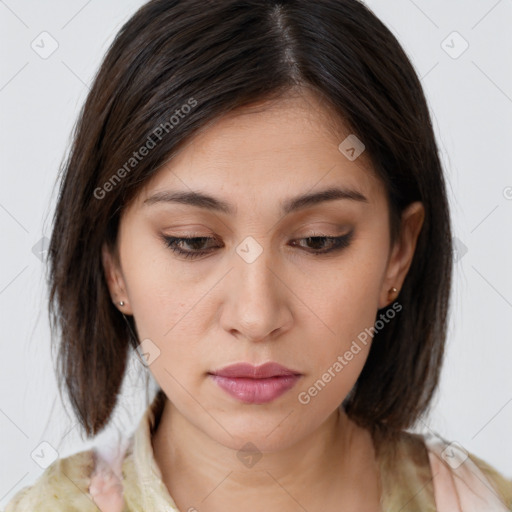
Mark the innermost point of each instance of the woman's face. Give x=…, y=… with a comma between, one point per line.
x=262, y=291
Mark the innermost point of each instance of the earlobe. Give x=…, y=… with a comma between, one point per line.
x=114, y=279
x=403, y=251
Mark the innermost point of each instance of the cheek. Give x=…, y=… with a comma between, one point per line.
x=347, y=298
x=168, y=311
x=347, y=302
x=337, y=360
x=159, y=294
x=326, y=388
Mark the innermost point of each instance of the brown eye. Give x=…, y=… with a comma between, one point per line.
x=174, y=244
x=328, y=243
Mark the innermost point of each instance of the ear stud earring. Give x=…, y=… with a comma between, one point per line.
x=121, y=303
x=392, y=291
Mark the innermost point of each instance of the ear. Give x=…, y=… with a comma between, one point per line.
x=403, y=251
x=115, y=279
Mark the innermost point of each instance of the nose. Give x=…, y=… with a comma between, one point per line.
x=258, y=301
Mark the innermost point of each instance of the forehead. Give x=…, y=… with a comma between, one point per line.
x=288, y=125
x=290, y=144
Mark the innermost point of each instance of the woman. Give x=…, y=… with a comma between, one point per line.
x=255, y=203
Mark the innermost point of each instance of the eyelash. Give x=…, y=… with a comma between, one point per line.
x=339, y=243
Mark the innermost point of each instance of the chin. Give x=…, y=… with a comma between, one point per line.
x=268, y=431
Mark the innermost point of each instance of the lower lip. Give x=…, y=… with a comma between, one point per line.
x=256, y=391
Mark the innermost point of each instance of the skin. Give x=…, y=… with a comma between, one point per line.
x=287, y=306
x=106, y=491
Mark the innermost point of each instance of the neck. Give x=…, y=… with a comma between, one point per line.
x=204, y=474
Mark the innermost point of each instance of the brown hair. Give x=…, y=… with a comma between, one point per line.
x=178, y=65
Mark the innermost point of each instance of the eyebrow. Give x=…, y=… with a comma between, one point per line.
x=201, y=200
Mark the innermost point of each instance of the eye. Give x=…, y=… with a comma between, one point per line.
x=196, y=244
x=334, y=243
x=174, y=244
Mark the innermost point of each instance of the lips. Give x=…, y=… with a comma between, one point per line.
x=255, y=384
x=249, y=371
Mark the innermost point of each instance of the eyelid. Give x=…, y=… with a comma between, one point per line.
x=323, y=232
x=335, y=230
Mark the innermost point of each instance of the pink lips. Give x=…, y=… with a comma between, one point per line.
x=255, y=384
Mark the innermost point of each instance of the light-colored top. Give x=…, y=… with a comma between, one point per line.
x=428, y=475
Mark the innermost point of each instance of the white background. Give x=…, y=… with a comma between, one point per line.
x=471, y=100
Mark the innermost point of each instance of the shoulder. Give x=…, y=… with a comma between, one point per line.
x=459, y=473
x=451, y=478
x=64, y=486
x=501, y=484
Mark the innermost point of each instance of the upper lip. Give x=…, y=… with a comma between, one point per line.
x=256, y=372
